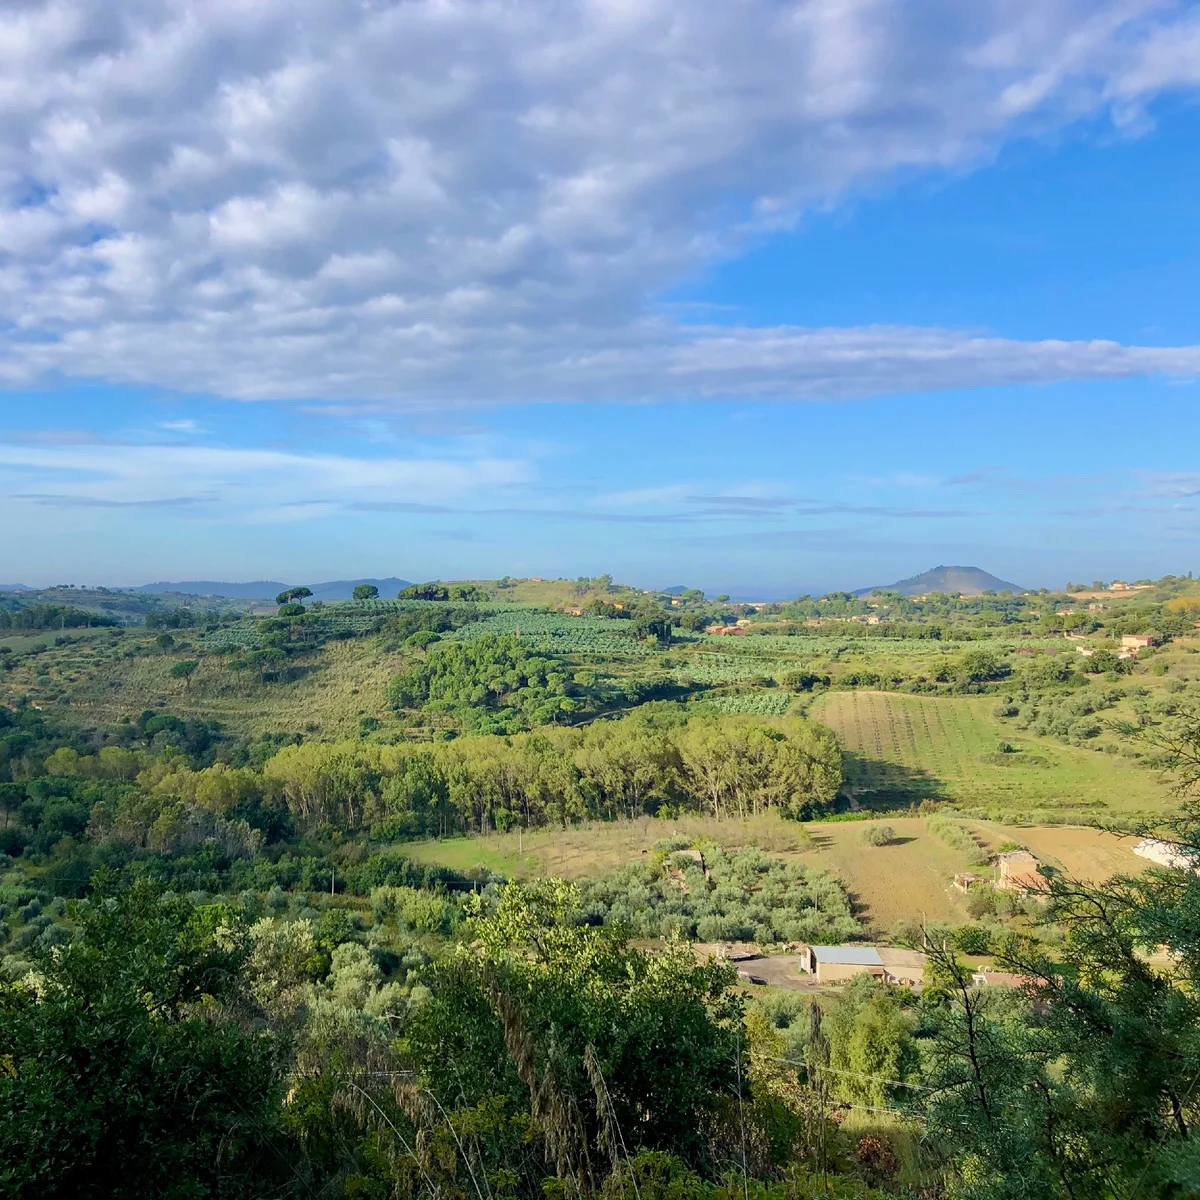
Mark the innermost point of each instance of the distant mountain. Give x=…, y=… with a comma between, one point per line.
x=268, y=589
x=15, y=587
x=970, y=581
x=677, y=590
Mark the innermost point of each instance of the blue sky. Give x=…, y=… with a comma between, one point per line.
x=816, y=297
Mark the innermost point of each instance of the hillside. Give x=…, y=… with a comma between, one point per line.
x=970, y=581
x=267, y=589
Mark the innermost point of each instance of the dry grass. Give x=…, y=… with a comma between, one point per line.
x=909, y=879
x=597, y=847
x=1083, y=853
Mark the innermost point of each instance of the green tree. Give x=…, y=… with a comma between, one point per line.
x=870, y=1043
x=120, y=1072
x=184, y=670
x=365, y=591
x=424, y=591
x=576, y=1027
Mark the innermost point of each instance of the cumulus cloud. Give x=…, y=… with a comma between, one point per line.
x=473, y=200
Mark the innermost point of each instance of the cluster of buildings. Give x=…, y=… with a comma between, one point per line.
x=1131, y=643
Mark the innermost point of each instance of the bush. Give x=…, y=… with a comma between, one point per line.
x=877, y=1157
x=878, y=835
x=973, y=939
x=957, y=838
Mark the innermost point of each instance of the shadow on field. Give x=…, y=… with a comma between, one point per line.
x=879, y=786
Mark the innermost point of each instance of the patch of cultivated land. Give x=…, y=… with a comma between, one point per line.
x=909, y=878
x=596, y=847
x=903, y=747
x=332, y=691
x=889, y=883
x=914, y=875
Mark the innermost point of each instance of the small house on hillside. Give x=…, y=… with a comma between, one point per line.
x=1138, y=641
x=965, y=880
x=1019, y=872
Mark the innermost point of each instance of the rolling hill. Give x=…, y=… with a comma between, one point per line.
x=970, y=581
x=268, y=589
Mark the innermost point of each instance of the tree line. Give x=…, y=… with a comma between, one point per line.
x=53, y=616
x=725, y=767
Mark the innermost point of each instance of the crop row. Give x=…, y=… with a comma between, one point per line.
x=721, y=668
x=231, y=638
x=559, y=633
x=773, y=702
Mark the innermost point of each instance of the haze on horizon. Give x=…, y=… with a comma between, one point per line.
x=766, y=298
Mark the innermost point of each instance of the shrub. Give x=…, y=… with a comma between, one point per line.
x=957, y=838
x=877, y=1157
x=973, y=939
x=878, y=835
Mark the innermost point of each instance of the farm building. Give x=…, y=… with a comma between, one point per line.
x=965, y=880
x=726, y=630
x=905, y=967
x=836, y=964
x=1138, y=641
x=1019, y=872
x=1167, y=854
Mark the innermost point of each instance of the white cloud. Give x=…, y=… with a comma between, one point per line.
x=1179, y=485
x=672, y=493
x=470, y=199
x=250, y=484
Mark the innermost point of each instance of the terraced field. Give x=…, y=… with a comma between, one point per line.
x=903, y=748
x=767, y=702
x=560, y=633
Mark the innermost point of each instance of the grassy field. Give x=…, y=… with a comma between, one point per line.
x=597, y=847
x=914, y=875
x=902, y=747
x=94, y=684
x=910, y=877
